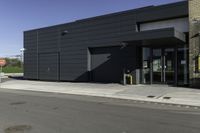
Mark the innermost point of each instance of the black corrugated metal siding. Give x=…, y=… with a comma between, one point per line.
x=107, y=30
x=30, y=55
x=109, y=63
x=106, y=65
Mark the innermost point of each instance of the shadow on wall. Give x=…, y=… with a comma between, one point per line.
x=109, y=63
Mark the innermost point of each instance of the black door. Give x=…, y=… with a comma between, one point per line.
x=49, y=66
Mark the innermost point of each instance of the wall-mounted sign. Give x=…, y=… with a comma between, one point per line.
x=145, y=64
x=183, y=62
x=2, y=62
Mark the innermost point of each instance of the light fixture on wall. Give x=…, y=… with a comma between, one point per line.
x=64, y=32
x=22, y=50
x=124, y=44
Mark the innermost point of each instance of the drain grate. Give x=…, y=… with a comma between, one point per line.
x=166, y=97
x=18, y=103
x=151, y=96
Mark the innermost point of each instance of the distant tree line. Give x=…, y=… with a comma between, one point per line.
x=13, y=62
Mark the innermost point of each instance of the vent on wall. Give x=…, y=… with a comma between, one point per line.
x=64, y=32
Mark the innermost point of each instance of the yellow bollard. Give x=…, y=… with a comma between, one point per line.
x=130, y=77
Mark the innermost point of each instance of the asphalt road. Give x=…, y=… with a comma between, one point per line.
x=36, y=112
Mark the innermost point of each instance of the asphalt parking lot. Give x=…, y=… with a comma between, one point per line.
x=42, y=112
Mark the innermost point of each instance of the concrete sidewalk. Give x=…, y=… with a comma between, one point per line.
x=7, y=75
x=150, y=93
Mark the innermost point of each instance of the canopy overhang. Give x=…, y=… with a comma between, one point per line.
x=159, y=37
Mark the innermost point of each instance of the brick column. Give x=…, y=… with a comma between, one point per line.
x=194, y=41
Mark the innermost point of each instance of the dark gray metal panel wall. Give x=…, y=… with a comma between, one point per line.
x=109, y=63
x=74, y=44
x=106, y=64
x=30, y=55
x=48, y=40
x=163, y=12
x=107, y=30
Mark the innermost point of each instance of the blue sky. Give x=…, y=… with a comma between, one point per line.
x=21, y=15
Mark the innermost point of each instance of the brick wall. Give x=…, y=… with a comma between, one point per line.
x=194, y=46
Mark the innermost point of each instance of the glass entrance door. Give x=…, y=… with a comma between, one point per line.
x=146, y=77
x=163, y=65
x=157, y=65
x=169, y=65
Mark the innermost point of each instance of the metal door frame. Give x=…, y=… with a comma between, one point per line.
x=163, y=64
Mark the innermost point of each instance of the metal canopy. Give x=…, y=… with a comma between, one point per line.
x=160, y=37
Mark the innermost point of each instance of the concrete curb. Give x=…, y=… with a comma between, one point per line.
x=175, y=102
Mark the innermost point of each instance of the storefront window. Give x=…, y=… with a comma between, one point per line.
x=146, y=65
x=182, y=64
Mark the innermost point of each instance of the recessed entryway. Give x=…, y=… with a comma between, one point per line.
x=159, y=65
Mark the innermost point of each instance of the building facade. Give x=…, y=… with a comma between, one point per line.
x=194, y=41
x=152, y=44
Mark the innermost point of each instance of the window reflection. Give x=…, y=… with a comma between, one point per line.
x=146, y=65
x=182, y=66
